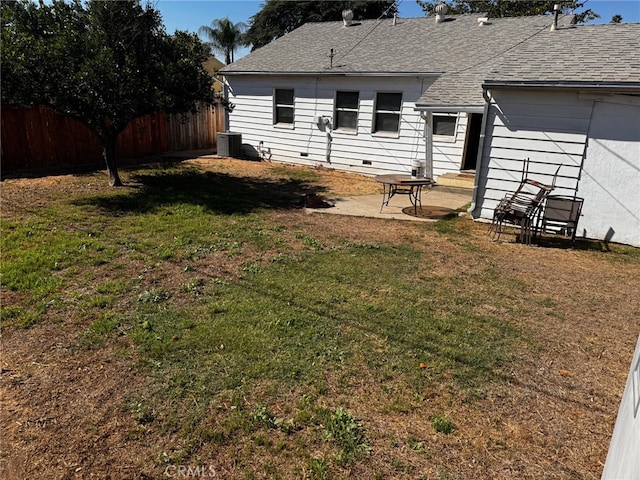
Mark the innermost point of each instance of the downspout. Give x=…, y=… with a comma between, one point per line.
x=426, y=172
x=428, y=153
x=226, y=111
x=483, y=127
x=327, y=124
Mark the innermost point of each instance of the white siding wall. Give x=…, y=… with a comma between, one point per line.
x=549, y=129
x=306, y=143
x=554, y=129
x=623, y=461
x=447, y=155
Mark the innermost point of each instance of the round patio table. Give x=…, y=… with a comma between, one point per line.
x=393, y=184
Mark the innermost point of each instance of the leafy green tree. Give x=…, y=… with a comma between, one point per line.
x=510, y=8
x=616, y=19
x=103, y=63
x=224, y=36
x=278, y=17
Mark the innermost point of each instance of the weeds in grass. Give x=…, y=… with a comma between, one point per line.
x=265, y=418
x=310, y=241
x=415, y=445
x=318, y=469
x=441, y=423
x=155, y=295
x=347, y=433
x=194, y=287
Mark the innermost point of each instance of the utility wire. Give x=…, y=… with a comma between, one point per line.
x=397, y=4
x=484, y=60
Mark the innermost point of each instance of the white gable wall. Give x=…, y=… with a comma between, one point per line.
x=306, y=143
x=552, y=129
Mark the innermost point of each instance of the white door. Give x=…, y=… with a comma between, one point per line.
x=610, y=181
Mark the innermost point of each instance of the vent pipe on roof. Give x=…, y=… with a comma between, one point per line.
x=395, y=19
x=556, y=12
x=440, y=10
x=347, y=17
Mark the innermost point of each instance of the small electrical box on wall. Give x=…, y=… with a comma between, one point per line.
x=322, y=120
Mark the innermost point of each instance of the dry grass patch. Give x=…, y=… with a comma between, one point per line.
x=200, y=318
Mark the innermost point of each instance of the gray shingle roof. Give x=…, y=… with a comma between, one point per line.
x=460, y=89
x=414, y=45
x=460, y=52
x=608, y=53
x=578, y=55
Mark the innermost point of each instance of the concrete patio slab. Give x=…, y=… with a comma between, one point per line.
x=444, y=199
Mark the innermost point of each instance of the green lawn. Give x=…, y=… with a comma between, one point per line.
x=249, y=324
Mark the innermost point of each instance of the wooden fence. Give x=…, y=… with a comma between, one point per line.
x=39, y=138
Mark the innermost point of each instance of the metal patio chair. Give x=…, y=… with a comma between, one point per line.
x=561, y=215
x=523, y=207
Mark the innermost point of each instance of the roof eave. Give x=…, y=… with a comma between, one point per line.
x=329, y=73
x=449, y=108
x=582, y=85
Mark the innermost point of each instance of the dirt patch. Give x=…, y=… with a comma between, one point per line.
x=67, y=411
x=431, y=212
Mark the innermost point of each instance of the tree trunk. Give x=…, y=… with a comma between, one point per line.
x=109, y=155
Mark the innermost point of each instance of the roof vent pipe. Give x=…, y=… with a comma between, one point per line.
x=556, y=12
x=395, y=19
x=440, y=10
x=347, y=17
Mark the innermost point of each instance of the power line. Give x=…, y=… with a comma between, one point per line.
x=397, y=4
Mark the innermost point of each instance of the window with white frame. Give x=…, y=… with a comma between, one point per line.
x=346, y=111
x=283, y=106
x=445, y=126
x=387, y=112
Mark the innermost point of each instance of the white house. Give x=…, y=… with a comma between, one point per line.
x=344, y=94
x=569, y=97
x=379, y=95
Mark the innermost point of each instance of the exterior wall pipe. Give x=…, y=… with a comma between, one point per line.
x=428, y=154
x=428, y=172
x=226, y=112
x=483, y=129
x=326, y=124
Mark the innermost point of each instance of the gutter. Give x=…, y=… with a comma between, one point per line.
x=617, y=86
x=483, y=128
x=329, y=73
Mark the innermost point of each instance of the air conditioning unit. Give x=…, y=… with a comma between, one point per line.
x=229, y=144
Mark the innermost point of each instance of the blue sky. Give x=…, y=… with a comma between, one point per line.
x=192, y=14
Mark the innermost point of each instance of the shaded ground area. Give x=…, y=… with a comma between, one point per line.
x=69, y=411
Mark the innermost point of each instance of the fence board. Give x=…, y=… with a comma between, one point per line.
x=40, y=138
